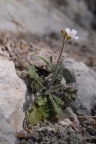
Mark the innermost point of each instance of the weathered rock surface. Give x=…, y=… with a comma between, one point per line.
x=12, y=94
x=77, y=11
x=85, y=79
x=92, y=5
x=7, y=135
x=43, y=17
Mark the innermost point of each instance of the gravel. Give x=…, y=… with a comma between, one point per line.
x=52, y=133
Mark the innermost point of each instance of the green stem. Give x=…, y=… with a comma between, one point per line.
x=54, y=75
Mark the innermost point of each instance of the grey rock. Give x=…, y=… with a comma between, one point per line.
x=71, y=114
x=75, y=138
x=78, y=11
x=3, y=141
x=12, y=94
x=42, y=17
x=35, y=135
x=92, y=5
x=7, y=134
x=85, y=79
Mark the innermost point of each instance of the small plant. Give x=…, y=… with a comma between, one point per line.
x=48, y=90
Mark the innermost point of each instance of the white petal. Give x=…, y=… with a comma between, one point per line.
x=68, y=31
x=76, y=37
x=73, y=32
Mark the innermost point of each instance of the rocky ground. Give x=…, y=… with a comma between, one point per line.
x=32, y=31
x=79, y=124
x=64, y=132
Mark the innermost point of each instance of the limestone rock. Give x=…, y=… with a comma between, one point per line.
x=85, y=79
x=7, y=135
x=12, y=94
x=41, y=17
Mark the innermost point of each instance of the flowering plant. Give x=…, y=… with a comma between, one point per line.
x=49, y=92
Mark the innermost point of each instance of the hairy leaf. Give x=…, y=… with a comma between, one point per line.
x=58, y=101
x=39, y=113
x=58, y=110
x=33, y=72
x=41, y=100
x=35, y=115
x=49, y=64
x=59, y=72
x=35, y=82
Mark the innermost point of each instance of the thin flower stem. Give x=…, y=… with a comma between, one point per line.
x=54, y=75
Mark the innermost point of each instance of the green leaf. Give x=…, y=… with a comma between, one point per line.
x=59, y=72
x=41, y=101
x=38, y=113
x=73, y=96
x=35, y=115
x=35, y=82
x=58, y=110
x=33, y=72
x=58, y=101
x=47, y=111
x=56, y=87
